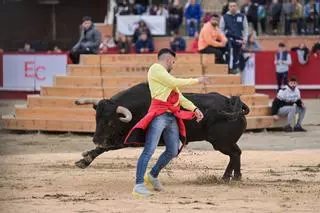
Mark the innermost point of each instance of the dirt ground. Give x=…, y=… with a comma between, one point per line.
x=281, y=173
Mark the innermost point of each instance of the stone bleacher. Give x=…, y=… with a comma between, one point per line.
x=101, y=76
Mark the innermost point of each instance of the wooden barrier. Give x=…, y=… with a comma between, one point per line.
x=68, y=102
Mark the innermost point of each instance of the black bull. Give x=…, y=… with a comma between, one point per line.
x=223, y=123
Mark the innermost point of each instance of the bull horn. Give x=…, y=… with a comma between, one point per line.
x=84, y=101
x=127, y=114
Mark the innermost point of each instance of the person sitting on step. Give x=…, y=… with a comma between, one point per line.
x=288, y=103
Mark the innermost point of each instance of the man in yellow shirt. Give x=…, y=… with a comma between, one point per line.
x=163, y=119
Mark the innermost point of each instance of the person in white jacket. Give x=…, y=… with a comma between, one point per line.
x=288, y=103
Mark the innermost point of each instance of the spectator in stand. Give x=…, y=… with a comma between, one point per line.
x=193, y=15
x=302, y=53
x=297, y=17
x=282, y=61
x=106, y=43
x=123, y=44
x=235, y=26
x=251, y=11
x=287, y=10
x=141, y=6
x=225, y=7
x=142, y=28
x=27, y=48
x=316, y=49
x=89, y=42
x=55, y=49
x=311, y=15
x=212, y=40
x=144, y=45
x=162, y=11
x=175, y=17
x=288, y=103
x=126, y=7
x=177, y=43
x=153, y=10
x=262, y=18
x=275, y=13
x=252, y=45
x=194, y=45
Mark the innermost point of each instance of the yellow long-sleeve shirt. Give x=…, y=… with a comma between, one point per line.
x=161, y=83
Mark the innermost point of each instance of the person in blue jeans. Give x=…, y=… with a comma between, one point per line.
x=164, y=120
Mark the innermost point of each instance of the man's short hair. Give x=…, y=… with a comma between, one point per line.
x=281, y=44
x=293, y=78
x=86, y=18
x=166, y=51
x=233, y=1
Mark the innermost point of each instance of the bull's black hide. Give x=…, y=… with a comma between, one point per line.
x=223, y=123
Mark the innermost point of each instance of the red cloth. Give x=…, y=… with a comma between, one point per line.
x=157, y=108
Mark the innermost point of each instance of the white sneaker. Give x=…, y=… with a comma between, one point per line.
x=154, y=182
x=141, y=190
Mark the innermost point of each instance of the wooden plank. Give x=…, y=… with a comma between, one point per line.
x=65, y=125
x=84, y=70
x=207, y=59
x=54, y=102
x=230, y=89
x=259, y=111
x=215, y=69
x=146, y=59
x=68, y=102
x=255, y=99
x=97, y=81
x=261, y=122
x=95, y=92
x=69, y=125
x=90, y=59
x=56, y=113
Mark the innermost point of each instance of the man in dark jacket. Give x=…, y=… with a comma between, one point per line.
x=144, y=45
x=89, y=41
x=235, y=26
x=251, y=11
x=177, y=43
x=287, y=104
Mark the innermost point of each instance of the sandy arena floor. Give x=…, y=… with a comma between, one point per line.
x=281, y=173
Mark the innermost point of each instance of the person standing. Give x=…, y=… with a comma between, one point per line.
x=251, y=11
x=163, y=120
x=212, y=40
x=235, y=26
x=282, y=61
x=89, y=42
x=288, y=103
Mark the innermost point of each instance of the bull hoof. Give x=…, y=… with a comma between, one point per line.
x=82, y=164
x=226, y=178
x=85, y=153
x=237, y=177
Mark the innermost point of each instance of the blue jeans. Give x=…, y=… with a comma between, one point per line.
x=165, y=125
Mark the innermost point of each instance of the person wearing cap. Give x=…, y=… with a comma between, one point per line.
x=89, y=42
